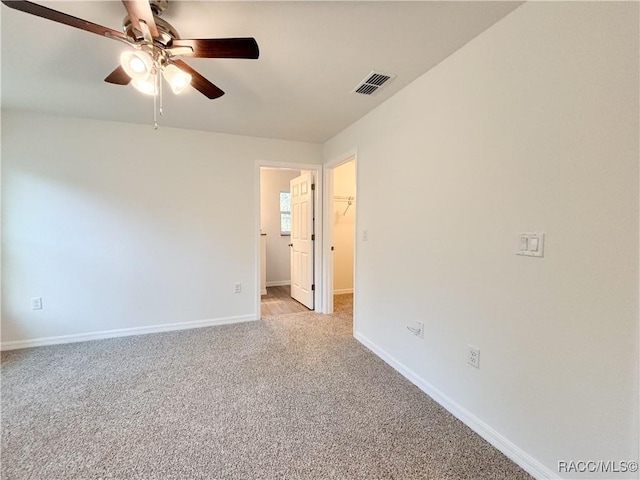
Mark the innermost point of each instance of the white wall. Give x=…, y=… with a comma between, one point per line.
x=532, y=126
x=272, y=182
x=118, y=226
x=344, y=185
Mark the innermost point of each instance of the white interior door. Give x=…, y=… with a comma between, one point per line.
x=302, y=237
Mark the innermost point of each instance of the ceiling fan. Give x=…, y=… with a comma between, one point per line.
x=155, y=46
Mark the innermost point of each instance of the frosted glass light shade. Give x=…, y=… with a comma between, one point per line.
x=147, y=86
x=137, y=64
x=176, y=78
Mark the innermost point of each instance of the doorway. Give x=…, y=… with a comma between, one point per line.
x=340, y=231
x=276, y=251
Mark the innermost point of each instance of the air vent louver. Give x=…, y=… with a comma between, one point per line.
x=371, y=83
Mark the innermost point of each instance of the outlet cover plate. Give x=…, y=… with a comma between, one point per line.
x=473, y=356
x=36, y=303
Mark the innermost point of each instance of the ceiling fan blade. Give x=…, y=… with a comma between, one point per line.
x=54, y=15
x=219, y=47
x=118, y=77
x=141, y=10
x=198, y=82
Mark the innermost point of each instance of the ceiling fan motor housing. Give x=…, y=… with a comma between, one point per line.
x=167, y=33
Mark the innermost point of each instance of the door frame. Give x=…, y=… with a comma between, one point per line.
x=318, y=178
x=327, y=206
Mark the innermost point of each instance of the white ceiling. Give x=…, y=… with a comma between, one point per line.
x=312, y=54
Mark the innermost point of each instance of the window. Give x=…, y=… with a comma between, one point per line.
x=285, y=213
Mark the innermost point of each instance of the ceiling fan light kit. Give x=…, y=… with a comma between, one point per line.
x=143, y=66
x=155, y=46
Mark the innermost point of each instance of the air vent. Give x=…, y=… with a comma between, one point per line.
x=371, y=83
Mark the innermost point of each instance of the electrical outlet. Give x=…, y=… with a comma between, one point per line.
x=473, y=357
x=237, y=288
x=36, y=303
x=365, y=235
x=418, y=330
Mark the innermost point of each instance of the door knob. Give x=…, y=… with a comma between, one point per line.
x=291, y=244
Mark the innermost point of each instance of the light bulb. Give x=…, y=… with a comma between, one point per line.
x=136, y=63
x=178, y=80
x=146, y=86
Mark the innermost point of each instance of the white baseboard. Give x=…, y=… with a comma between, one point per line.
x=342, y=291
x=122, y=332
x=515, y=453
x=278, y=283
x=263, y=291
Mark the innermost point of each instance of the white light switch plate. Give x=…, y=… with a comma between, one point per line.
x=530, y=244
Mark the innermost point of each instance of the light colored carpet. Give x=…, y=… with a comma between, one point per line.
x=289, y=397
x=343, y=303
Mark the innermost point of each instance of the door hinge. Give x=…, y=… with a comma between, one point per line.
x=313, y=237
x=313, y=186
x=313, y=287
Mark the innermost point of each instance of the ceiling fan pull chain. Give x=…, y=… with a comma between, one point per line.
x=158, y=76
x=155, y=104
